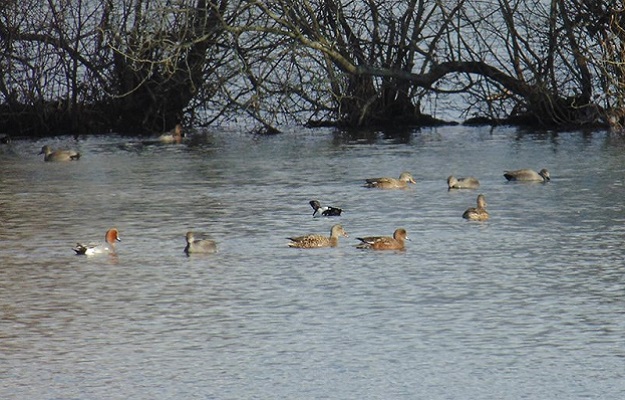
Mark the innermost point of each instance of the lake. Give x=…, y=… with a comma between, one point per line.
x=527, y=305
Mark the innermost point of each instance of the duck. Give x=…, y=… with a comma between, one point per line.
x=326, y=211
x=58, y=155
x=173, y=136
x=108, y=247
x=528, y=175
x=462, y=183
x=478, y=213
x=391, y=183
x=199, y=245
x=397, y=242
x=313, y=241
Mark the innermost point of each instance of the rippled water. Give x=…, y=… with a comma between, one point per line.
x=528, y=305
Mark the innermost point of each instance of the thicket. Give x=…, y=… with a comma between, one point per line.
x=136, y=66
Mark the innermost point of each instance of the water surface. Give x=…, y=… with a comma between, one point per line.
x=528, y=305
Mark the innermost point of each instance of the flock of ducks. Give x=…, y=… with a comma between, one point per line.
x=173, y=136
x=112, y=235
x=395, y=242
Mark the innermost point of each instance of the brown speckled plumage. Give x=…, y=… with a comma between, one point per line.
x=315, y=240
x=478, y=213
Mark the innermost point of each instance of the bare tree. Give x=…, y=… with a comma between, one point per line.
x=144, y=65
x=516, y=61
x=346, y=63
x=128, y=66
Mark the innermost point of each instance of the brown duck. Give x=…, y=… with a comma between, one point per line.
x=385, y=242
x=58, y=155
x=313, y=241
x=528, y=175
x=478, y=213
x=463, y=183
x=391, y=183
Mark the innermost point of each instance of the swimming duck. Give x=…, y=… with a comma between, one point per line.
x=326, y=211
x=58, y=155
x=478, y=213
x=528, y=175
x=462, y=183
x=108, y=247
x=199, y=245
x=173, y=136
x=315, y=240
x=385, y=242
x=391, y=183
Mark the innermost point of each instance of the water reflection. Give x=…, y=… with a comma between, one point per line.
x=371, y=136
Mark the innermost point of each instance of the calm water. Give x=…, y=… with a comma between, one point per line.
x=529, y=305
